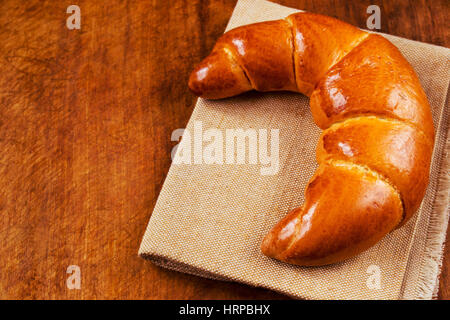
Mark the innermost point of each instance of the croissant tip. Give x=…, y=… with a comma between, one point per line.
x=194, y=84
x=268, y=246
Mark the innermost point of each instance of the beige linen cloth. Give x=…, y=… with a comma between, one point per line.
x=210, y=219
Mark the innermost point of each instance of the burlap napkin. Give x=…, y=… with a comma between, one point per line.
x=209, y=219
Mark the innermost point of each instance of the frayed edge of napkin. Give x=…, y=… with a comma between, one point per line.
x=428, y=285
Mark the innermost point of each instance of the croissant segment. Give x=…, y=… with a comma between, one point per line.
x=363, y=209
x=375, y=151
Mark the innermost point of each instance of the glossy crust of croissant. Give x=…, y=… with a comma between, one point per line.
x=375, y=151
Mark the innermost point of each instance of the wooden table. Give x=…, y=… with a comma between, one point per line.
x=85, y=123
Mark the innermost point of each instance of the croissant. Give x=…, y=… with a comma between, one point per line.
x=375, y=149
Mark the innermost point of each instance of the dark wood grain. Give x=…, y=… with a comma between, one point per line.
x=85, y=123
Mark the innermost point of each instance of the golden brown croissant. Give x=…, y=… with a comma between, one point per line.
x=375, y=151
